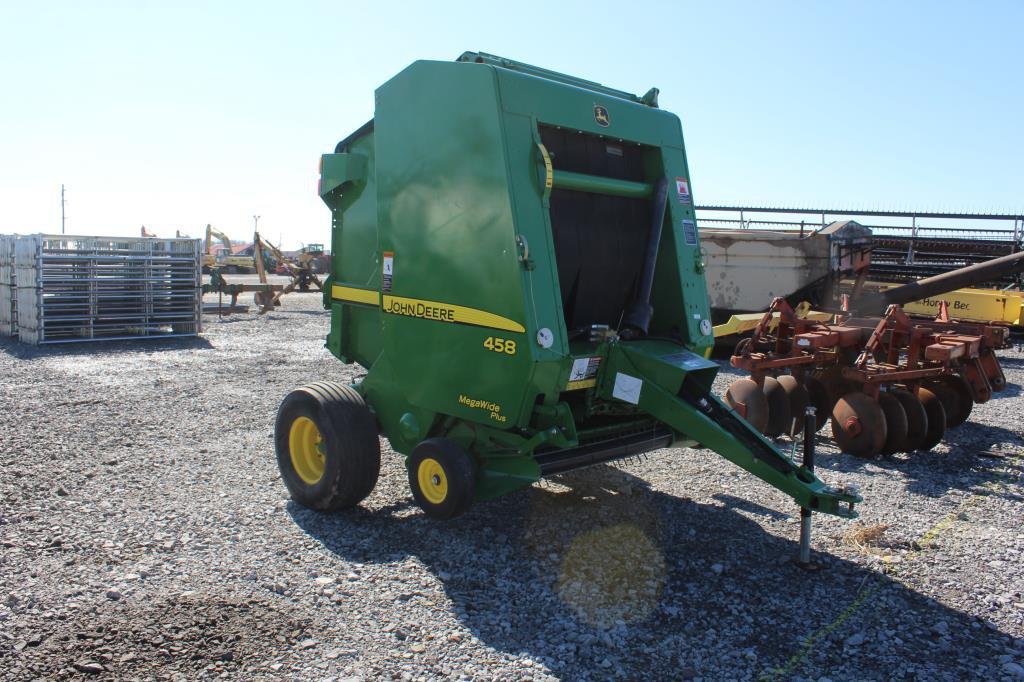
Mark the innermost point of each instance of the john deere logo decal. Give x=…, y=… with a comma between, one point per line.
x=601, y=116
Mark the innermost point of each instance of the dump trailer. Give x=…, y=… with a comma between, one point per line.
x=517, y=266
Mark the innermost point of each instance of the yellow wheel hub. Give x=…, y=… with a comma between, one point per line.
x=306, y=446
x=432, y=480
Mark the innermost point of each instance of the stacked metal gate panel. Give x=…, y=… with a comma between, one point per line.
x=8, y=298
x=72, y=289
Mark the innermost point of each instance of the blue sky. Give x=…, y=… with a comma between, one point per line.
x=174, y=115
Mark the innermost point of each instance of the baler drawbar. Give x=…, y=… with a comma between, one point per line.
x=517, y=265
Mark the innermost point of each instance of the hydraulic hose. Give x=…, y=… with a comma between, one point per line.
x=637, y=318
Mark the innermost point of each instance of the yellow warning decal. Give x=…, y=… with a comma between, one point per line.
x=354, y=295
x=447, y=312
x=583, y=373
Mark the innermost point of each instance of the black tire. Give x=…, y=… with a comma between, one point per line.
x=448, y=476
x=347, y=441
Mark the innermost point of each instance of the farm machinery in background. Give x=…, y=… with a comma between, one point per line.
x=302, y=270
x=889, y=384
x=268, y=258
x=755, y=254
x=224, y=259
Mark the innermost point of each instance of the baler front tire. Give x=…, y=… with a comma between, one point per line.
x=327, y=447
x=442, y=477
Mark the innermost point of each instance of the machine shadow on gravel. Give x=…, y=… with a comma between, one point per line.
x=596, y=574
x=1013, y=363
x=24, y=351
x=957, y=467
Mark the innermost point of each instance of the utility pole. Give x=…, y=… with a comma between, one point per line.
x=62, y=202
x=255, y=223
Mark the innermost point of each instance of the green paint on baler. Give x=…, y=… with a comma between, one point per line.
x=446, y=203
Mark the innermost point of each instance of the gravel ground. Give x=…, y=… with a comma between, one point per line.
x=146, y=534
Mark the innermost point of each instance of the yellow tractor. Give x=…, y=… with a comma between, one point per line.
x=229, y=262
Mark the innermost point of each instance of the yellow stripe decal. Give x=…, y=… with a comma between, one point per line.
x=447, y=312
x=427, y=310
x=582, y=383
x=353, y=295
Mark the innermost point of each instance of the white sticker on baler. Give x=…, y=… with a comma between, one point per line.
x=627, y=388
x=579, y=369
x=388, y=271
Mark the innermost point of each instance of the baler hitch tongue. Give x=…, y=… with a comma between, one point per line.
x=709, y=421
x=838, y=501
x=747, y=448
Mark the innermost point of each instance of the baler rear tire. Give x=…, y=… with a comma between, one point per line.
x=442, y=477
x=346, y=435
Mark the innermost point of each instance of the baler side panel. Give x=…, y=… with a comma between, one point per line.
x=355, y=327
x=445, y=215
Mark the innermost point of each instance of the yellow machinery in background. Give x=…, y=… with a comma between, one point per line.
x=973, y=305
x=226, y=260
x=976, y=305
x=745, y=322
